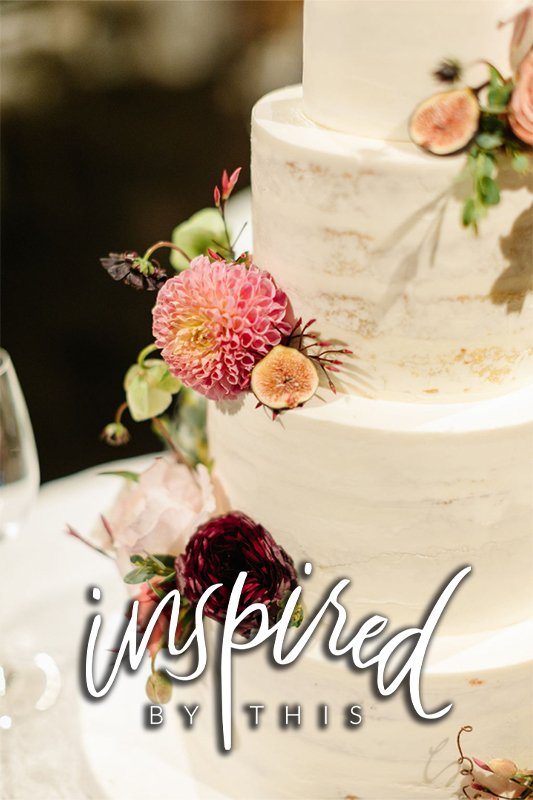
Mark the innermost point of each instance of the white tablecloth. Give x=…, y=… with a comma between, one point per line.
x=75, y=749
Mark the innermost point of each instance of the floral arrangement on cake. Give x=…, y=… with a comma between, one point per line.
x=224, y=329
x=499, y=778
x=165, y=534
x=491, y=121
x=223, y=326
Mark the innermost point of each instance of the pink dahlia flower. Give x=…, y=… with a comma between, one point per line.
x=214, y=321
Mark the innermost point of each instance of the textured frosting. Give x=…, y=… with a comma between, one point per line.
x=366, y=236
x=368, y=64
x=391, y=755
x=394, y=496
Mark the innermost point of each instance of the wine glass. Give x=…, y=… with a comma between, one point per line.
x=19, y=467
x=30, y=680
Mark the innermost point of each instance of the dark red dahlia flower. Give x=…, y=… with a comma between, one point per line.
x=222, y=548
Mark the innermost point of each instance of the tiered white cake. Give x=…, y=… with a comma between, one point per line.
x=423, y=462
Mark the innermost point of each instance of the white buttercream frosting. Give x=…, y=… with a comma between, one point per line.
x=369, y=63
x=366, y=236
x=394, y=496
x=391, y=755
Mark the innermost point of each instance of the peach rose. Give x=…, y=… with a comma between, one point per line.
x=521, y=106
x=522, y=40
x=160, y=512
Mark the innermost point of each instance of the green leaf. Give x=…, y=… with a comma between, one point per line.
x=149, y=389
x=499, y=94
x=157, y=590
x=163, y=560
x=489, y=141
x=163, y=566
x=203, y=230
x=139, y=575
x=489, y=191
x=159, y=376
x=137, y=559
x=470, y=215
x=501, y=109
x=123, y=473
x=487, y=166
x=188, y=426
x=520, y=162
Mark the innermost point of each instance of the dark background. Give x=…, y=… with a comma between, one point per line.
x=117, y=120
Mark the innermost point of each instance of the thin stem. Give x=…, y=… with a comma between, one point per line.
x=163, y=432
x=120, y=410
x=480, y=88
x=226, y=231
x=170, y=245
x=151, y=348
x=238, y=236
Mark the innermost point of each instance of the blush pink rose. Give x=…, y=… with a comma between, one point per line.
x=521, y=106
x=522, y=40
x=160, y=512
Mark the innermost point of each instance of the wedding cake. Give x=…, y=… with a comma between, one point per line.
x=422, y=462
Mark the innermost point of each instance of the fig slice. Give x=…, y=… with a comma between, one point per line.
x=285, y=378
x=446, y=122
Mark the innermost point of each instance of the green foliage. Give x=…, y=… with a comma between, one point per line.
x=123, y=473
x=187, y=426
x=205, y=229
x=146, y=568
x=149, y=388
x=494, y=140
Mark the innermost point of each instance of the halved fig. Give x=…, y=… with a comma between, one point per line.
x=446, y=122
x=284, y=378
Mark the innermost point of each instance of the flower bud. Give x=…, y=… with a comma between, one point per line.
x=115, y=434
x=159, y=688
x=503, y=767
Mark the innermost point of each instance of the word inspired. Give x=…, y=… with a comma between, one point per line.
x=386, y=660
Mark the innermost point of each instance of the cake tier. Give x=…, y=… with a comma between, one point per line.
x=368, y=64
x=366, y=237
x=394, y=496
x=391, y=754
